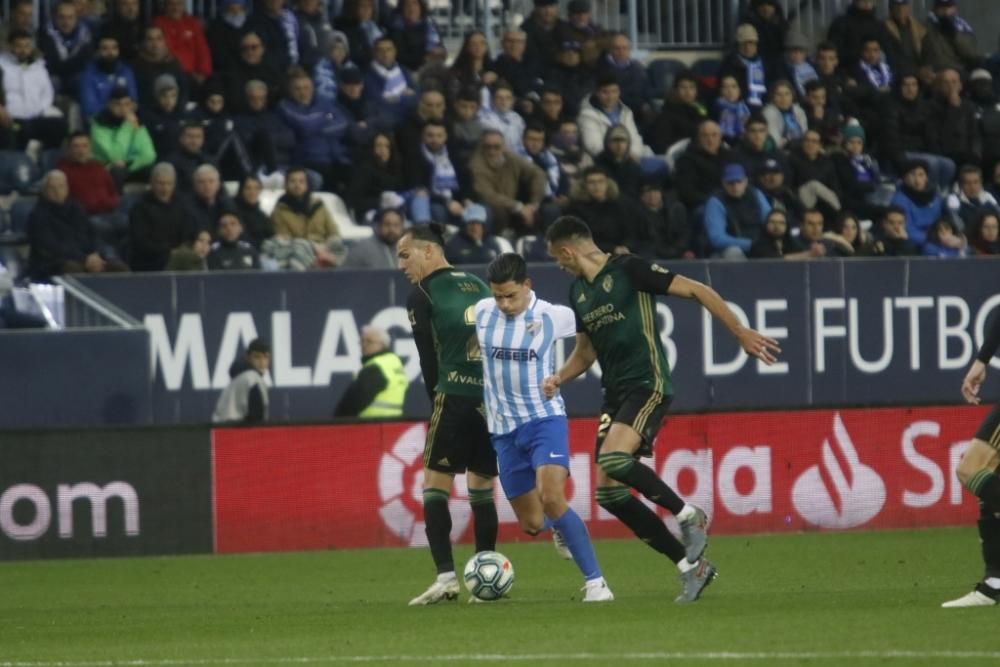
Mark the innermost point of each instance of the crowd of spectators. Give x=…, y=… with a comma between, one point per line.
x=883, y=139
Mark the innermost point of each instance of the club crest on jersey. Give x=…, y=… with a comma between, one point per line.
x=533, y=327
x=608, y=283
x=658, y=268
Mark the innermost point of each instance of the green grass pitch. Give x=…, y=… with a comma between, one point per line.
x=831, y=599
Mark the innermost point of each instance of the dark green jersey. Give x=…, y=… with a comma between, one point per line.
x=618, y=312
x=442, y=314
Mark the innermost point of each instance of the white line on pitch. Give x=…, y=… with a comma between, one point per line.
x=522, y=657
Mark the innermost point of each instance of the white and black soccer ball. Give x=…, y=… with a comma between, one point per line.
x=489, y=575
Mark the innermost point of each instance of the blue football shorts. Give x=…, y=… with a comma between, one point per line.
x=522, y=451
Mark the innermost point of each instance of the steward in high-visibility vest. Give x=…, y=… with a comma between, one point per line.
x=379, y=389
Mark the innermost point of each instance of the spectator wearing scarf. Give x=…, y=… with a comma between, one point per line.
x=533, y=148
x=502, y=117
x=786, y=120
x=437, y=187
x=388, y=85
x=747, y=66
x=67, y=44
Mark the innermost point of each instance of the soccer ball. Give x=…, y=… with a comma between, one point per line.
x=489, y=575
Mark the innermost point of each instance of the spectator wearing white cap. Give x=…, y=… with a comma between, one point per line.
x=745, y=64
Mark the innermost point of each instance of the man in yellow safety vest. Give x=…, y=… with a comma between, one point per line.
x=379, y=389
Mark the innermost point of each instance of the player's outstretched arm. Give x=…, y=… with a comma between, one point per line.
x=753, y=343
x=580, y=359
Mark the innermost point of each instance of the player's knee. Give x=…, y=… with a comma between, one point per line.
x=532, y=525
x=616, y=465
x=553, y=502
x=977, y=458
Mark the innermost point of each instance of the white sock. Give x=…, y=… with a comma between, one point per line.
x=445, y=577
x=593, y=583
x=683, y=565
x=686, y=513
x=992, y=582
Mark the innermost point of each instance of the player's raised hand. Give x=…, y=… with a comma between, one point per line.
x=973, y=380
x=550, y=386
x=758, y=345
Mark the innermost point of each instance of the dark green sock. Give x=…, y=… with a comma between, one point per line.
x=484, y=516
x=986, y=486
x=437, y=526
x=641, y=520
x=622, y=467
x=989, y=536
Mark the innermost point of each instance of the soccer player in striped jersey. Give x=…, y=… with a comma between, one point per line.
x=614, y=300
x=441, y=308
x=978, y=473
x=517, y=333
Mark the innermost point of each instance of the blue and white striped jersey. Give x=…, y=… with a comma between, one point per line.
x=518, y=353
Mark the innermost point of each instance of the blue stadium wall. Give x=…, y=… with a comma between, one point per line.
x=853, y=332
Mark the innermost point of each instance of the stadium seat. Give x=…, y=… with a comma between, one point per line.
x=268, y=200
x=532, y=248
x=349, y=230
x=50, y=157
x=17, y=172
x=707, y=71
x=232, y=187
x=504, y=244
x=674, y=152
x=661, y=73
x=19, y=213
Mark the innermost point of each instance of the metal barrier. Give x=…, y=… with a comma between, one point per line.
x=651, y=24
x=79, y=307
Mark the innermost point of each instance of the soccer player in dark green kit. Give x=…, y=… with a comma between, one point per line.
x=614, y=300
x=442, y=309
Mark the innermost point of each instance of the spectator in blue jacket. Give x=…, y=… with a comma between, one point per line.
x=735, y=215
x=320, y=130
x=102, y=75
x=919, y=200
x=389, y=85
x=944, y=240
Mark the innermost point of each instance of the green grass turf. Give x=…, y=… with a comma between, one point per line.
x=811, y=593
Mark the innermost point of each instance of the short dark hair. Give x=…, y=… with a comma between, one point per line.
x=815, y=84
x=77, y=135
x=534, y=125
x=605, y=79
x=433, y=123
x=826, y=46
x=432, y=233
x=969, y=169
x=813, y=211
x=508, y=266
x=568, y=228
x=18, y=34
x=893, y=208
x=259, y=345
x=468, y=94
